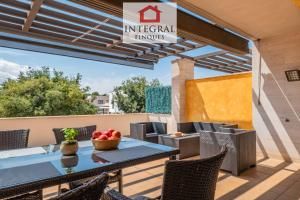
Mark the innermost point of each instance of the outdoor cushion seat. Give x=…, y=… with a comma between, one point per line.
x=197, y=127
x=231, y=130
x=147, y=131
x=152, y=134
x=188, y=127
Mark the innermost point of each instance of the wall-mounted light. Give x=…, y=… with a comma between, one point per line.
x=293, y=75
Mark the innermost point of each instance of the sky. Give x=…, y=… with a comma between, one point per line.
x=99, y=76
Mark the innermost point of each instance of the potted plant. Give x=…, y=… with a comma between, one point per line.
x=70, y=145
x=69, y=163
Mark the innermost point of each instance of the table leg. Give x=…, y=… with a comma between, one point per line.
x=59, y=190
x=120, y=182
x=174, y=157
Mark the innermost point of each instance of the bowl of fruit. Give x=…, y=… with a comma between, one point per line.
x=106, y=140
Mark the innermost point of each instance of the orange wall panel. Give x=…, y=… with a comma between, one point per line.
x=221, y=99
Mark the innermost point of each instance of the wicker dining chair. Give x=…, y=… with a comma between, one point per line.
x=17, y=139
x=85, y=133
x=184, y=180
x=91, y=190
x=14, y=139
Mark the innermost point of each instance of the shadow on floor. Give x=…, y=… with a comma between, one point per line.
x=270, y=179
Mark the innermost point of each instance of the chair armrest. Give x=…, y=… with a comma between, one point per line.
x=246, y=132
x=138, y=131
x=111, y=194
x=141, y=131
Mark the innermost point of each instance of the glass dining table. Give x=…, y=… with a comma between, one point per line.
x=30, y=169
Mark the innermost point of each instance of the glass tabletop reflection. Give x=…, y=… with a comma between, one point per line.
x=39, y=163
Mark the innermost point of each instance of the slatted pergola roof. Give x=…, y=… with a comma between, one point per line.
x=224, y=61
x=71, y=29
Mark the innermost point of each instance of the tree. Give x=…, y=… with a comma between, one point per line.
x=41, y=92
x=130, y=96
x=94, y=95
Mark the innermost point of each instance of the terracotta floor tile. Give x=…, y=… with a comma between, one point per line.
x=267, y=185
x=271, y=179
x=293, y=191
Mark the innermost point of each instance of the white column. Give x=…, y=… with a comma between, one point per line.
x=182, y=70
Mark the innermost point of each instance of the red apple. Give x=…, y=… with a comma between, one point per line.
x=96, y=134
x=111, y=138
x=103, y=137
x=105, y=133
x=110, y=131
x=116, y=134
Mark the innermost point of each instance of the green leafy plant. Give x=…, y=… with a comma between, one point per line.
x=130, y=95
x=44, y=92
x=70, y=134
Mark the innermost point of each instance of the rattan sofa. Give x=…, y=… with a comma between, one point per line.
x=241, y=147
x=147, y=131
x=197, y=127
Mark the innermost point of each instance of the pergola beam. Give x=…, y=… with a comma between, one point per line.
x=210, y=54
x=35, y=7
x=10, y=29
x=4, y=42
x=211, y=68
x=217, y=61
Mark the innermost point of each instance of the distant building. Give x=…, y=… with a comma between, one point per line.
x=105, y=103
x=102, y=102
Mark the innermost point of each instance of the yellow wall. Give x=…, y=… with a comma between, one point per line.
x=221, y=99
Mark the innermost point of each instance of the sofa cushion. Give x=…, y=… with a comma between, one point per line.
x=198, y=127
x=207, y=126
x=148, y=125
x=227, y=130
x=187, y=127
x=159, y=128
x=151, y=135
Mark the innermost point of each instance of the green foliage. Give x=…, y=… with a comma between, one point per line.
x=44, y=93
x=94, y=96
x=158, y=99
x=130, y=96
x=70, y=134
